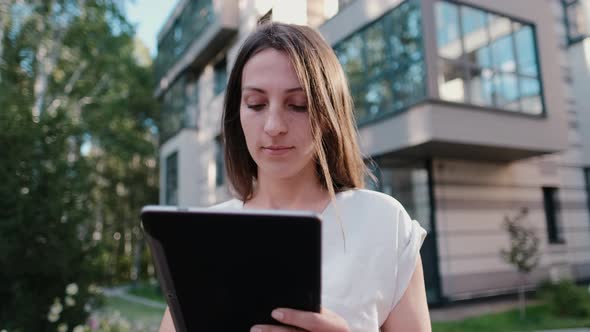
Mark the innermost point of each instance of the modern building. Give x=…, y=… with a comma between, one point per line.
x=473, y=111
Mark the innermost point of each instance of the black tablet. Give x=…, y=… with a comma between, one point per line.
x=227, y=270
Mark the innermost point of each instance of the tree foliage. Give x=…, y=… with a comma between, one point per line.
x=523, y=252
x=77, y=154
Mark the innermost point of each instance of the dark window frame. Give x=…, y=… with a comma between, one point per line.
x=219, y=162
x=171, y=178
x=552, y=207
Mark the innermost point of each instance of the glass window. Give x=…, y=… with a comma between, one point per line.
x=384, y=62
x=503, y=54
x=525, y=50
x=409, y=183
x=530, y=92
x=475, y=35
x=219, y=163
x=552, y=214
x=451, y=81
x=351, y=56
x=447, y=30
x=188, y=27
x=576, y=21
x=174, y=114
x=375, y=49
x=172, y=179
x=493, y=60
x=506, y=91
x=220, y=76
x=480, y=86
x=378, y=96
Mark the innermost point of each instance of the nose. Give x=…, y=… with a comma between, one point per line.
x=275, y=123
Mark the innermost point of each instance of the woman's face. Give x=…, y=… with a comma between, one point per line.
x=274, y=117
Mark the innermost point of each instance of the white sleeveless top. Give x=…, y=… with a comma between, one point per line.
x=364, y=281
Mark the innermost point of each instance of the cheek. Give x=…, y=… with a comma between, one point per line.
x=247, y=128
x=304, y=130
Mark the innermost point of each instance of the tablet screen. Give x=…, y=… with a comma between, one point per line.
x=228, y=271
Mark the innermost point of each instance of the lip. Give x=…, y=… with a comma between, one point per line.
x=277, y=150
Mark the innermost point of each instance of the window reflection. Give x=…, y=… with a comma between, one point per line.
x=174, y=116
x=531, y=96
x=481, y=86
x=451, y=81
x=576, y=19
x=506, y=91
x=525, y=50
x=378, y=97
x=475, y=35
x=375, y=49
x=384, y=62
x=503, y=54
x=486, y=59
x=189, y=26
x=447, y=28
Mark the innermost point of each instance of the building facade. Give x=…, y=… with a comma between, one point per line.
x=472, y=111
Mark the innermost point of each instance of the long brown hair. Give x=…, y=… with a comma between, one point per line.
x=339, y=163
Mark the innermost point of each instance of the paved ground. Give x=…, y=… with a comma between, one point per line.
x=465, y=310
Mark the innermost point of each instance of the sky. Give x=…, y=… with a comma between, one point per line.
x=149, y=16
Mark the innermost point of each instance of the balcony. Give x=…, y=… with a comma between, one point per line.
x=196, y=32
x=433, y=78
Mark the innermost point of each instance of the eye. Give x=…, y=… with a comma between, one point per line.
x=298, y=108
x=256, y=107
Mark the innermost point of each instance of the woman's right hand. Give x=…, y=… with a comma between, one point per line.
x=326, y=321
x=167, y=324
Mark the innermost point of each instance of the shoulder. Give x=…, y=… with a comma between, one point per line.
x=232, y=204
x=370, y=201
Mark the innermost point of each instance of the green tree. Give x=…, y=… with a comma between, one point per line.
x=77, y=155
x=523, y=252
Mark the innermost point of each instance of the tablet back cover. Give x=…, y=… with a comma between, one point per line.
x=226, y=271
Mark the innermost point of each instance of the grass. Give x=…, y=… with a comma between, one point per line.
x=538, y=317
x=134, y=312
x=148, y=291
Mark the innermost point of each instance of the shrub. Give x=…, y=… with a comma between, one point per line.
x=564, y=298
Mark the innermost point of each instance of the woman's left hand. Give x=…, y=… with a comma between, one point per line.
x=326, y=321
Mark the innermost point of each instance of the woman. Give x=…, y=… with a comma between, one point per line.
x=290, y=140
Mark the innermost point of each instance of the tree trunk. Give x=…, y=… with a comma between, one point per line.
x=522, y=296
x=46, y=58
x=136, y=268
x=5, y=7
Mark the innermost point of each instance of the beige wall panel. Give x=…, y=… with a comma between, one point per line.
x=581, y=255
x=478, y=265
x=572, y=177
x=475, y=245
x=532, y=172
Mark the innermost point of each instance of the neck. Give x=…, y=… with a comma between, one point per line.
x=302, y=192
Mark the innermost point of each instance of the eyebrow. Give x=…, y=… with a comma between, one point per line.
x=263, y=91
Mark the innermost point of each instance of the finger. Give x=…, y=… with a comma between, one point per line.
x=306, y=320
x=274, y=328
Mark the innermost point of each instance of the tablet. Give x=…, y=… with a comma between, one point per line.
x=227, y=270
